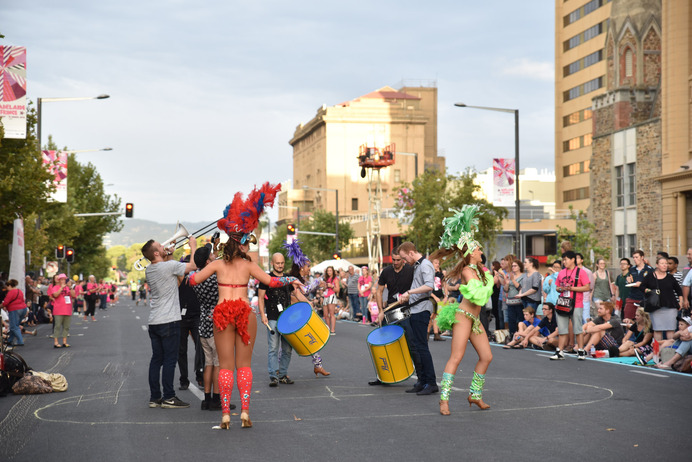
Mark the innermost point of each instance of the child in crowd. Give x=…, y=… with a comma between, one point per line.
x=521, y=337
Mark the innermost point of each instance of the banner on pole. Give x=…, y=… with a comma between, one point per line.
x=56, y=163
x=504, y=182
x=13, y=91
x=17, y=269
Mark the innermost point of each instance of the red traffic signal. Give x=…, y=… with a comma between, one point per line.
x=290, y=229
x=129, y=209
x=60, y=252
x=337, y=256
x=69, y=255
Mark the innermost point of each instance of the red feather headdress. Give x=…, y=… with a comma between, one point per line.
x=242, y=216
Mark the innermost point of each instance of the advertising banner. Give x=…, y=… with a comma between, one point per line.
x=17, y=255
x=503, y=182
x=13, y=91
x=56, y=163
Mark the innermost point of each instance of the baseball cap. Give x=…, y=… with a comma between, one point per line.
x=202, y=255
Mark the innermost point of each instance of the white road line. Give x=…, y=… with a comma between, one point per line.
x=331, y=394
x=197, y=392
x=136, y=317
x=144, y=328
x=650, y=373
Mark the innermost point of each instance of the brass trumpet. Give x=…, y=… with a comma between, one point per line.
x=176, y=241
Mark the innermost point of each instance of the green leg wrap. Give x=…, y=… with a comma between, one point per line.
x=477, y=383
x=446, y=385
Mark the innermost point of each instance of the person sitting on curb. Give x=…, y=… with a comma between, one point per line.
x=545, y=334
x=682, y=336
x=639, y=336
x=526, y=331
x=605, y=331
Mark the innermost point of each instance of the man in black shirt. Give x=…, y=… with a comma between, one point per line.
x=397, y=278
x=277, y=300
x=189, y=325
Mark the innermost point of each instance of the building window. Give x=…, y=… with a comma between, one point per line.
x=354, y=204
x=620, y=246
x=631, y=184
x=578, y=142
x=585, y=36
x=628, y=63
x=397, y=175
x=576, y=169
x=579, y=13
x=575, y=194
x=583, y=63
x=631, y=244
x=583, y=89
x=619, y=187
x=576, y=117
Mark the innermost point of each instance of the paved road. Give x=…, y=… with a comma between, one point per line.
x=541, y=409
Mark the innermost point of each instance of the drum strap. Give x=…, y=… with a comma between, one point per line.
x=418, y=301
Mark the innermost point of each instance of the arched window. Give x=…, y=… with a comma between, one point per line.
x=628, y=62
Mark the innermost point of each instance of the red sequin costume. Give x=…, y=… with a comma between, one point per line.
x=236, y=312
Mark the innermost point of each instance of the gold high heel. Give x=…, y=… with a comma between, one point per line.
x=444, y=407
x=245, y=421
x=478, y=402
x=225, y=421
x=320, y=370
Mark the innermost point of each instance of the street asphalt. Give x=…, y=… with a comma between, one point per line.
x=540, y=409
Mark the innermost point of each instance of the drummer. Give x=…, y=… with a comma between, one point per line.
x=397, y=278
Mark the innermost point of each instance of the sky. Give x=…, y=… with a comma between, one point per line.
x=205, y=95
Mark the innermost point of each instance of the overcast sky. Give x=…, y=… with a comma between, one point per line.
x=206, y=94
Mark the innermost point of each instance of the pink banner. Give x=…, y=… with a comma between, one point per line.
x=503, y=182
x=13, y=91
x=56, y=163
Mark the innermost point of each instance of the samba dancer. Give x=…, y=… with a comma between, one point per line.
x=235, y=325
x=463, y=318
x=301, y=270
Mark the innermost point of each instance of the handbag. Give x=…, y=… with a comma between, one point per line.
x=652, y=301
x=565, y=305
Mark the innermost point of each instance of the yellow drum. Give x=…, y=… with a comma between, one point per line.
x=303, y=329
x=390, y=354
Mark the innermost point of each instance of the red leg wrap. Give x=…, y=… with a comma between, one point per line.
x=245, y=387
x=226, y=388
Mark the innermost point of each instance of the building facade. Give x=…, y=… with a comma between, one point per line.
x=580, y=69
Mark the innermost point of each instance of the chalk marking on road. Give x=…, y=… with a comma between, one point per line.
x=331, y=394
x=136, y=317
x=117, y=393
x=80, y=400
x=197, y=392
x=651, y=373
x=144, y=328
x=105, y=368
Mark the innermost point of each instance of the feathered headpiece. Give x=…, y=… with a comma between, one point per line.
x=242, y=216
x=460, y=229
x=295, y=253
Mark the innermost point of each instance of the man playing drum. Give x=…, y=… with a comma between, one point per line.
x=397, y=279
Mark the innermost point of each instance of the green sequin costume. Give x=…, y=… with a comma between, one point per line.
x=474, y=291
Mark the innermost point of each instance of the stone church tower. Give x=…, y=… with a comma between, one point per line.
x=626, y=151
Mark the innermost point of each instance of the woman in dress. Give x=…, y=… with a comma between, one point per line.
x=331, y=280
x=602, y=290
x=670, y=295
x=235, y=325
x=300, y=269
x=464, y=318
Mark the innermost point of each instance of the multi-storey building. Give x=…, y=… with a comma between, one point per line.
x=580, y=68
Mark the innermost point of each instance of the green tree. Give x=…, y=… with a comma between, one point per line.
x=582, y=239
x=424, y=204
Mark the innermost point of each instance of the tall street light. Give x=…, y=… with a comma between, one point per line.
x=40, y=101
x=517, y=242
x=337, y=210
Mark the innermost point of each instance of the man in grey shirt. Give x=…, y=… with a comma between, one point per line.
x=352, y=285
x=163, y=276
x=418, y=297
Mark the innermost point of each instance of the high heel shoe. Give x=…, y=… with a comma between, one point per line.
x=245, y=421
x=478, y=402
x=444, y=407
x=225, y=421
x=320, y=370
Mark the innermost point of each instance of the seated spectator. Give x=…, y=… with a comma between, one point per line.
x=521, y=337
x=605, y=331
x=682, y=343
x=545, y=334
x=638, y=337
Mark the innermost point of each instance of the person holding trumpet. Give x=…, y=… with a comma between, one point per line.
x=235, y=325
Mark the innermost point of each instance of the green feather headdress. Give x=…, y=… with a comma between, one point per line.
x=460, y=229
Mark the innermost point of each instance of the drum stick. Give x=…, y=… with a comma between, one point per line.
x=395, y=304
x=270, y=329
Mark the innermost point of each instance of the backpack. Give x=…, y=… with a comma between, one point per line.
x=12, y=368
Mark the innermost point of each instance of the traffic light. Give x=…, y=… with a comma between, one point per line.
x=290, y=229
x=129, y=208
x=60, y=252
x=69, y=255
x=337, y=256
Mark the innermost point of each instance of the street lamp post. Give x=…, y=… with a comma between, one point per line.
x=40, y=101
x=517, y=206
x=337, y=210
x=415, y=155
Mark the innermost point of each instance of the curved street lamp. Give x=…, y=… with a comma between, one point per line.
x=40, y=101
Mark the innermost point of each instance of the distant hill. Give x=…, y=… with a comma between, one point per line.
x=137, y=231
